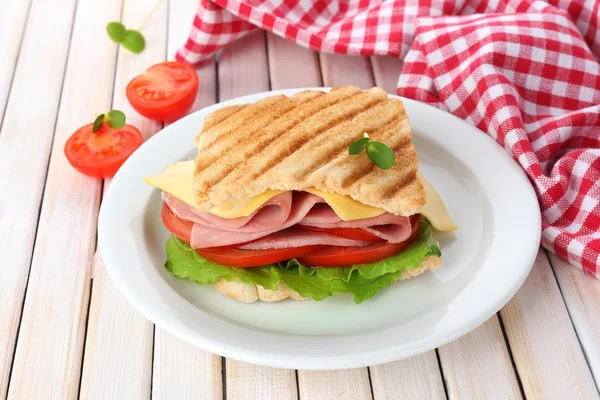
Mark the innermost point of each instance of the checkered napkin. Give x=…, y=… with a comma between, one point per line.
x=525, y=72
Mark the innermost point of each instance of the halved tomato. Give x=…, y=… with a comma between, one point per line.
x=254, y=258
x=100, y=154
x=333, y=256
x=350, y=233
x=179, y=227
x=164, y=92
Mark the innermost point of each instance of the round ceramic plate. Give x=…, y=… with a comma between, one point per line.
x=484, y=262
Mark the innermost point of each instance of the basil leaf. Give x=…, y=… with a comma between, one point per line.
x=115, y=118
x=380, y=154
x=116, y=31
x=98, y=123
x=134, y=41
x=358, y=146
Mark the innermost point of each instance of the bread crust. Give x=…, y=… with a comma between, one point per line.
x=297, y=142
x=250, y=293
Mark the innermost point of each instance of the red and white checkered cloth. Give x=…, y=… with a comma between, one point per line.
x=523, y=71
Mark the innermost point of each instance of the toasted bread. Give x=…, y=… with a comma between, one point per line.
x=292, y=143
x=250, y=293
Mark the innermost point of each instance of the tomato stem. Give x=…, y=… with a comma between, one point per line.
x=145, y=21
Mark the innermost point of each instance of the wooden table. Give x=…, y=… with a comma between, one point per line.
x=66, y=331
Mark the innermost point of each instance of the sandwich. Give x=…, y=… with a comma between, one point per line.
x=275, y=206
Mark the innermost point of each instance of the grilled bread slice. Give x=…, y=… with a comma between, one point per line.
x=293, y=143
x=250, y=293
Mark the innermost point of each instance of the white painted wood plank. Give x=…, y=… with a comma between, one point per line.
x=290, y=65
x=581, y=293
x=386, y=71
x=338, y=70
x=255, y=382
x=243, y=67
x=418, y=376
x=413, y=378
x=50, y=344
x=12, y=25
x=25, y=142
x=118, y=353
x=478, y=366
x=349, y=384
x=182, y=371
x=545, y=348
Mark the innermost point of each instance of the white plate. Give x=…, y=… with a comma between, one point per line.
x=484, y=262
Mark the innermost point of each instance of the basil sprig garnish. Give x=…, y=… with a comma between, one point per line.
x=378, y=152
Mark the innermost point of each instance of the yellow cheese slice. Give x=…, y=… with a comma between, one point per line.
x=236, y=209
x=176, y=180
x=435, y=209
x=346, y=207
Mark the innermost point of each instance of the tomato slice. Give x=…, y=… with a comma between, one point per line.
x=179, y=227
x=101, y=154
x=164, y=92
x=254, y=258
x=333, y=256
x=350, y=233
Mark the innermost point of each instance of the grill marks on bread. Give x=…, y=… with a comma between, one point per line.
x=302, y=141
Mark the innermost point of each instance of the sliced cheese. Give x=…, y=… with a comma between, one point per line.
x=435, y=209
x=346, y=207
x=176, y=180
x=236, y=209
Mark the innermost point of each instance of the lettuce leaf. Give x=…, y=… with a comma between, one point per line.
x=362, y=280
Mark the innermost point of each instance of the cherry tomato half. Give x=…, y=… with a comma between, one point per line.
x=164, y=92
x=101, y=154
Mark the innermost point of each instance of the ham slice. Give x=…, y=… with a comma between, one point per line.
x=391, y=228
x=204, y=236
x=271, y=214
x=269, y=226
x=294, y=237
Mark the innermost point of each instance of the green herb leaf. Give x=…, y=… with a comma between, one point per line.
x=116, y=31
x=115, y=118
x=380, y=154
x=134, y=41
x=357, y=146
x=98, y=123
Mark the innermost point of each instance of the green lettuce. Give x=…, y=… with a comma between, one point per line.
x=362, y=280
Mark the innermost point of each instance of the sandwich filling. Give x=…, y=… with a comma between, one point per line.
x=320, y=228
x=290, y=219
x=283, y=235
x=275, y=187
